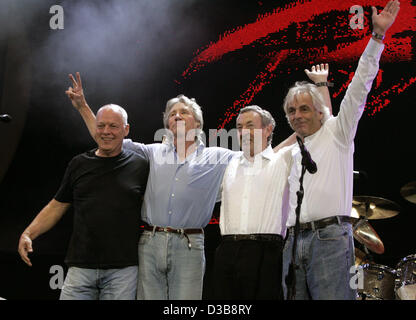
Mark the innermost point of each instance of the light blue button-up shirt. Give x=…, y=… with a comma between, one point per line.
x=181, y=194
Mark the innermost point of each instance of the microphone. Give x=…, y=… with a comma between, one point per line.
x=5, y=118
x=306, y=157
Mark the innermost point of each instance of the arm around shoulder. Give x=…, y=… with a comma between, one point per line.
x=289, y=141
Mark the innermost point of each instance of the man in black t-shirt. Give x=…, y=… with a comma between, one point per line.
x=105, y=187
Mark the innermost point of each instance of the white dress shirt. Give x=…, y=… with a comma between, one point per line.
x=328, y=192
x=252, y=194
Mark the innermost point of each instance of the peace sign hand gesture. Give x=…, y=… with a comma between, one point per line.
x=76, y=93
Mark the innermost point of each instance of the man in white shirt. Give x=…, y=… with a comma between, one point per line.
x=325, y=247
x=248, y=262
x=253, y=187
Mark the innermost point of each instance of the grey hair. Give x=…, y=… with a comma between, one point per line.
x=189, y=102
x=116, y=108
x=302, y=87
x=266, y=118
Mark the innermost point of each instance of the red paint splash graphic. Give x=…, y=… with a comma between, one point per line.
x=303, y=33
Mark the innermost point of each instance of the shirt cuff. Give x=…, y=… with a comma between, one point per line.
x=374, y=49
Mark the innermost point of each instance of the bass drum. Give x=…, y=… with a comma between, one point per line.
x=406, y=278
x=377, y=283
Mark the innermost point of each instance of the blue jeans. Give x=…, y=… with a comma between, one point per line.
x=324, y=257
x=100, y=284
x=168, y=268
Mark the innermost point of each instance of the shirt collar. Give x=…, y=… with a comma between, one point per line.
x=199, y=147
x=267, y=153
x=312, y=136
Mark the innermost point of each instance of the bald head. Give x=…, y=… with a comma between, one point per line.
x=115, y=108
x=111, y=129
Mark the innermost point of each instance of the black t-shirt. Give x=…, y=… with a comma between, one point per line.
x=106, y=194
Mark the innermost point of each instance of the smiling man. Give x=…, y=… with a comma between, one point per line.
x=248, y=261
x=325, y=246
x=304, y=117
x=178, y=204
x=111, y=130
x=105, y=188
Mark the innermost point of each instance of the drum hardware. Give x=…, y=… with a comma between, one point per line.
x=361, y=257
x=366, y=235
x=364, y=208
x=371, y=208
x=378, y=282
x=381, y=282
x=405, y=285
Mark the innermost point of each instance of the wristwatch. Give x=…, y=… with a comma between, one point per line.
x=324, y=84
x=377, y=36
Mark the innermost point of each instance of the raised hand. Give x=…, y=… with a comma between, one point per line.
x=76, y=93
x=383, y=21
x=318, y=73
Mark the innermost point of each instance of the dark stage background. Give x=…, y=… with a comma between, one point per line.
x=226, y=54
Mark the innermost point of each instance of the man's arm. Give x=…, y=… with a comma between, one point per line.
x=44, y=221
x=353, y=103
x=287, y=142
x=76, y=94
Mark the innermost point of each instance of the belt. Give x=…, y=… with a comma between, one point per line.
x=183, y=232
x=173, y=230
x=322, y=223
x=255, y=237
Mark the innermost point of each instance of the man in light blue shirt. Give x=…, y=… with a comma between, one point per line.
x=181, y=194
x=178, y=203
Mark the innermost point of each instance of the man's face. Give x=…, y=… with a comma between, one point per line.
x=252, y=135
x=110, y=132
x=303, y=116
x=181, y=120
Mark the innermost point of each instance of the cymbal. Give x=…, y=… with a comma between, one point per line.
x=373, y=207
x=408, y=191
x=366, y=235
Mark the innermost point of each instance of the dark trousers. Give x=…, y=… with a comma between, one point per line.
x=248, y=269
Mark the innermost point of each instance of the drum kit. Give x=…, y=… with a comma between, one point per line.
x=381, y=282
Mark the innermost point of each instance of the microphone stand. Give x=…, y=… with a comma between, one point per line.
x=291, y=276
